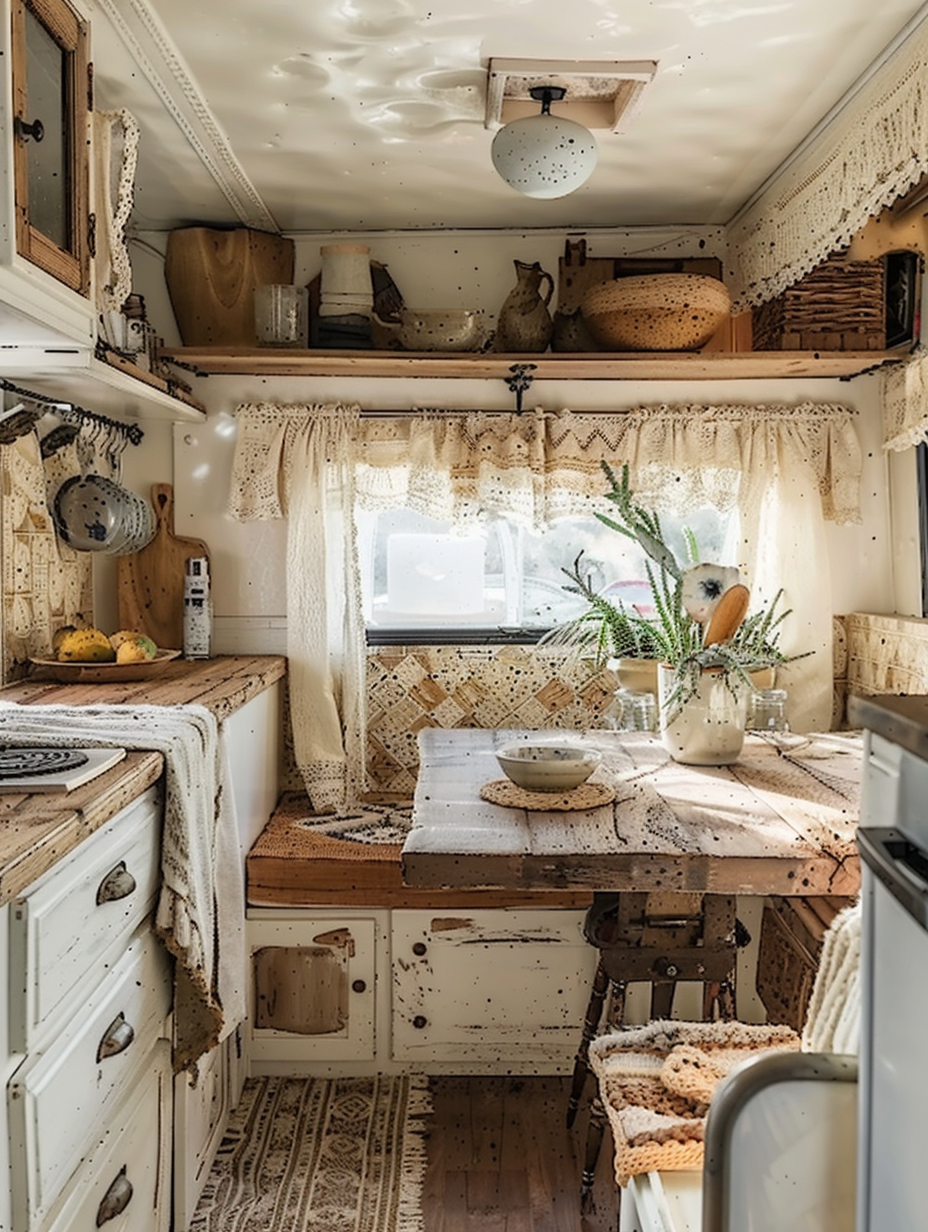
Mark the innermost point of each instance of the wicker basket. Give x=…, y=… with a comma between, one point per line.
x=656, y=312
x=838, y=306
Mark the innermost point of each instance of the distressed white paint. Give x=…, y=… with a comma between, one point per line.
x=368, y=114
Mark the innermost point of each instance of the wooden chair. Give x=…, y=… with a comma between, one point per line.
x=661, y=939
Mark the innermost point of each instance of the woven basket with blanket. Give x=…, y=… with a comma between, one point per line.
x=656, y=1083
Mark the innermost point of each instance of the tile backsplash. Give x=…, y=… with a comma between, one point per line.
x=524, y=687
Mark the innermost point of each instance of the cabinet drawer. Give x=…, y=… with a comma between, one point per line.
x=79, y=915
x=58, y=1098
x=129, y=1163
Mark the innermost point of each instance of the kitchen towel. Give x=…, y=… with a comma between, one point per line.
x=201, y=906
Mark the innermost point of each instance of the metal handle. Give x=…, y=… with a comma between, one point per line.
x=116, y=1038
x=118, y=883
x=115, y=1200
x=900, y=866
x=35, y=130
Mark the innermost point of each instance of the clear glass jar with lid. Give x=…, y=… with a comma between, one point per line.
x=767, y=711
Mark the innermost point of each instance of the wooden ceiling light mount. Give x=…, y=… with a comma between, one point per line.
x=597, y=93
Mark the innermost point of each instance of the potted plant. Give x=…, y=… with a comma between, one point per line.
x=706, y=646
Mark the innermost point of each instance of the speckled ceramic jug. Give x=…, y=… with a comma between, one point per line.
x=524, y=323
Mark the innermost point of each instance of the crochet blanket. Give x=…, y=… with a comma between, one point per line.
x=833, y=1017
x=201, y=905
x=656, y=1083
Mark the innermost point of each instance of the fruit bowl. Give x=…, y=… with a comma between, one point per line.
x=101, y=673
x=547, y=767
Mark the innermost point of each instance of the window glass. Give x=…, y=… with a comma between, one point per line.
x=421, y=575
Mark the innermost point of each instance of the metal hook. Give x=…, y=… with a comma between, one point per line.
x=520, y=381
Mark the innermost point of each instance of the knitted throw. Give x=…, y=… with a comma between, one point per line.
x=656, y=1083
x=833, y=1017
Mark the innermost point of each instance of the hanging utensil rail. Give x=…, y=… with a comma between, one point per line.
x=72, y=413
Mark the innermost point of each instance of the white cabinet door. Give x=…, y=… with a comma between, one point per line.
x=312, y=990
x=201, y=1113
x=503, y=987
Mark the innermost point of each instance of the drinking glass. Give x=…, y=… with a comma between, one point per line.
x=281, y=314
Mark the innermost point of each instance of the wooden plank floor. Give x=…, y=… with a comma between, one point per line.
x=501, y=1159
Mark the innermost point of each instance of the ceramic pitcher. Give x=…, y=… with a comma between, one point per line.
x=524, y=323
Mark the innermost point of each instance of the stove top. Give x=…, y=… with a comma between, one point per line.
x=48, y=770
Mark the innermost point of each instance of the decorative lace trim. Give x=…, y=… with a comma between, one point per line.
x=866, y=157
x=113, y=271
x=905, y=403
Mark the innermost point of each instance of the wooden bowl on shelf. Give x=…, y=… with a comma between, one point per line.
x=656, y=312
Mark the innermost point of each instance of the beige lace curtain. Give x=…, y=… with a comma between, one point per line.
x=785, y=468
x=867, y=156
x=905, y=403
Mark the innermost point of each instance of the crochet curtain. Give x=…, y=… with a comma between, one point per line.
x=863, y=159
x=786, y=469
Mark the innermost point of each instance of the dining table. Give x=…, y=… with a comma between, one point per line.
x=780, y=820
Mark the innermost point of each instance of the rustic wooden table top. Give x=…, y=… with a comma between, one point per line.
x=781, y=820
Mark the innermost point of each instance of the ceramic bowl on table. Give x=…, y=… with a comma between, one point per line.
x=547, y=767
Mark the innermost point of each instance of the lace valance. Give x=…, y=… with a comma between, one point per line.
x=541, y=466
x=866, y=157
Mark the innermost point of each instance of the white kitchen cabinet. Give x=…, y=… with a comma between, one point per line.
x=490, y=988
x=313, y=987
x=201, y=1113
x=89, y=1010
x=124, y=1183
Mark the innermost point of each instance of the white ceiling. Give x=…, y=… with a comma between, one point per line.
x=328, y=115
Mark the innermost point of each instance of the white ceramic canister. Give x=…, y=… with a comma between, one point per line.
x=345, y=285
x=707, y=729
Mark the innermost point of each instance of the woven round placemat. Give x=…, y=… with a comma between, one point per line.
x=586, y=796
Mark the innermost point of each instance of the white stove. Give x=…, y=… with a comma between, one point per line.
x=50, y=770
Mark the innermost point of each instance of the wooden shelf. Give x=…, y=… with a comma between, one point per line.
x=637, y=366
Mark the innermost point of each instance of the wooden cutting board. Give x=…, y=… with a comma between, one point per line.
x=150, y=583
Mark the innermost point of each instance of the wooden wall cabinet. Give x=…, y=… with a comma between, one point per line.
x=51, y=149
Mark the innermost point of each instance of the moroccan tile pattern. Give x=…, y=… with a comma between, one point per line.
x=44, y=583
x=522, y=687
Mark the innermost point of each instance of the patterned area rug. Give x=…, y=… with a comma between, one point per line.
x=320, y=1155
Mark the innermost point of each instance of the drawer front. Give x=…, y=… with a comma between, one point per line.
x=59, y=1098
x=124, y=1185
x=80, y=914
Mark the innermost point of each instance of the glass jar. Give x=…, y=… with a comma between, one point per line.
x=767, y=711
x=632, y=710
x=281, y=315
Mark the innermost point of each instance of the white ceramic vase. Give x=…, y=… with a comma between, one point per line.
x=708, y=728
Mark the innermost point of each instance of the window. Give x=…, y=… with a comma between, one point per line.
x=424, y=581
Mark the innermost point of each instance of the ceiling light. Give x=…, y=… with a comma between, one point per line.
x=544, y=155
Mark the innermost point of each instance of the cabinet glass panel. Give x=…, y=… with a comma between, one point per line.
x=51, y=151
x=45, y=134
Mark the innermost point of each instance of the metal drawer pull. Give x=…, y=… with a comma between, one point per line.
x=118, y=883
x=115, y=1200
x=116, y=1038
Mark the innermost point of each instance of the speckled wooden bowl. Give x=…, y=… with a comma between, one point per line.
x=656, y=312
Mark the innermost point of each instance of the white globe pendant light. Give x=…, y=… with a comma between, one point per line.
x=544, y=155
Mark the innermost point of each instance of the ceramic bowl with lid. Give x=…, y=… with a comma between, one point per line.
x=547, y=767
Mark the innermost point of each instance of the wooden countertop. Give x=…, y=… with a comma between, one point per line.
x=38, y=829
x=223, y=685
x=781, y=820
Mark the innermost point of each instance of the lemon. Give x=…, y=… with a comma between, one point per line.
x=86, y=646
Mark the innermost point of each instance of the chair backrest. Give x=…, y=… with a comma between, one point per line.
x=781, y=1142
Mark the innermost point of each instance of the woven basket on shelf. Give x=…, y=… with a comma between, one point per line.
x=656, y=312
